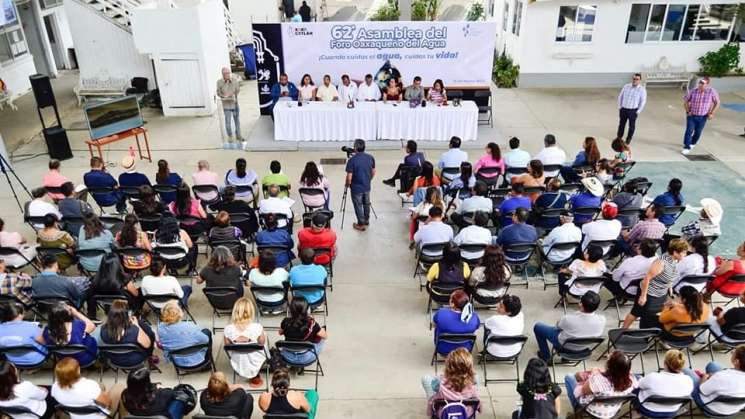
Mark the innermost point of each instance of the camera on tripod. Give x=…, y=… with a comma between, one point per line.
x=349, y=150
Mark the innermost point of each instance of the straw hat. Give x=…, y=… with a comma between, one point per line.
x=713, y=210
x=593, y=185
x=128, y=164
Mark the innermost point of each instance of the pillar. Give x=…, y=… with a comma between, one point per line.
x=404, y=6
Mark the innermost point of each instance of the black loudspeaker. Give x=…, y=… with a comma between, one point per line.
x=57, y=143
x=42, y=90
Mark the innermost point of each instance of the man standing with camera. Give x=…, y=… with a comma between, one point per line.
x=360, y=172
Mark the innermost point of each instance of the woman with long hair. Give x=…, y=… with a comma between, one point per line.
x=539, y=394
x=142, y=397
x=672, y=197
x=243, y=176
x=112, y=280
x=670, y=382
x=93, y=235
x=420, y=212
x=490, y=279
x=491, y=158
x=223, y=231
x=688, y=308
x=392, y=91
x=698, y=262
x=224, y=399
x=186, y=205
x=222, y=271
x=300, y=326
x=164, y=176
x=457, y=383
x=615, y=379
x=426, y=179
x=281, y=400
x=534, y=177
x=464, y=183
x=312, y=178
x=588, y=156
x=17, y=393
x=71, y=389
x=244, y=328
x=131, y=236
x=458, y=317
x=121, y=327
x=170, y=235
x=52, y=236
x=268, y=274
x=623, y=155
x=147, y=204
x=450, y=269
x=68, y=326
x=307, y=88
x=437, y=93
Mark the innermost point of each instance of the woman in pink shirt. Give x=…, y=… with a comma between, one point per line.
x=53, y=178
x=492, y=158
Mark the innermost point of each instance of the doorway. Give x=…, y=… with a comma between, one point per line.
x=52, y=33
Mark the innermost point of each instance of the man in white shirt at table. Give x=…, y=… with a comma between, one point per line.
x=327, y=92
x=551, y=154
x=347, y=90
x=368, y=91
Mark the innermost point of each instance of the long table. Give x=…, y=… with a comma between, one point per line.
x=324, y=121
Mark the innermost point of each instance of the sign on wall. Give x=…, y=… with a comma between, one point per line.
x=7, y=12
x=458, y=53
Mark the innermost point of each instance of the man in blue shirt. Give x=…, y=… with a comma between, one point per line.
x=284, y=90
x=452, y=158
x=515, y=201
x=14, y=331
x=308, y=274
x=98, y=178
x=49, y=283
x=412, y=158
x=590, y=198
x=272, y=235
x=131, y=177
x=360, y=172
x=517, y=232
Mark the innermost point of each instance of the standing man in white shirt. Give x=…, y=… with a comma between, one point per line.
x=327, y=92
x=368, y=91
x=347, y=90
x=515, y=157
x=453, y=157
x=631, y=102
x=551, y=154
x=567, y=232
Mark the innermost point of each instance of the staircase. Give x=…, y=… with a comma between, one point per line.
x=232, y=33
x=116, y=11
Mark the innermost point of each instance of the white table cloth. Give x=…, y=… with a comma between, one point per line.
x=324, y=121
x=431, y=123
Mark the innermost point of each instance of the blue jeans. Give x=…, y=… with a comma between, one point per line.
x=694, y=127
x=176, y=409
x=711, y=368
x=361, y=202
x=544, y=334
x=305, y=358
x=233, y=114
x=571, y=382
x=187, y=293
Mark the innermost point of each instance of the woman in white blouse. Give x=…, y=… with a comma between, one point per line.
x=16, y=393
x=670, y=382
x=307, y=88
x=697, y=263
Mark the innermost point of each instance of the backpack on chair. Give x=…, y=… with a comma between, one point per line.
x=454, y=410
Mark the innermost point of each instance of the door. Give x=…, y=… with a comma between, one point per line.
x=51, y=27
x=181, y=84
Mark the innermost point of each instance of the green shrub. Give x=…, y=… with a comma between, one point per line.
x=722, y=61
x=419, y=10
x=387, y=12
x=475, y=12
x=505, y=73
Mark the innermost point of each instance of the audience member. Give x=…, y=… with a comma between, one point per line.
x=52, y=237
x=628, y=198
x=15, y=285
x=591, y=197
x=158, y=283
x=147, y=205
x=648, y=228
x=243, y=328
x=122, y=328
x=462, y=185
x=223, y=399
x=71, y=389
x=623, y=155
x=241, y=176
x=632, y=269
x=697, y=262
x=450, y=270
x=510, y=205
x=477, y=234
x=308, y=273
x=491, y=158
x=276, y=177
x=164, y=176
x=457, y=383
x=458, y=317
x=515, y=158
x=655, y=286
x=708, y=222
x=98, y=178
x=72, y=209
x=40, y=207
x=451, y=158
x=688, y=308
x=268, y=274
x=538, y=392
x=605, y=228
x=223, y=232
x=551, y=154
x=300, y=326
x=54, y=179
x=185, y=205
x=489, y=280
x=280, y=207
x=17, y=241
x=204, y=176
x=509, y=321
x=433, y=231
x=604, y=172
x=420, y=212
x=670, y=382
x=112, y=280
x=184, y=251
x=567, y=232
x=236, y=206
x=14, y=331
x=131, y=236
x=67, y=326
x=312, y=178
x=581, y=324
x=222, y=271
x=318, y=236
x=93, y=236
x=176, y=333
x=279, y=237
x=722, y=325
x=283, y=401
x=590, y=265
x=586, y=158
x=672, y=197
x=478, y=203
x=142, y=397
x=49, y=283
x=726, y=268
x=615, y=379
x=552, y=198
x=17, y=393
x=720, y=382
x=518, y=232
x=426, y=179
x=533, y=178
x=131, y=177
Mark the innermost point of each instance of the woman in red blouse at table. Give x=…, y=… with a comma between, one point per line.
x=725, y=269
x=392, y=91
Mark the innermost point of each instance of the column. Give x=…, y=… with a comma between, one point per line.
x=404, y=6
x=45, y=44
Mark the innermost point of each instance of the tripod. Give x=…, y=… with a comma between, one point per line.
x=344, y=207
x=5, y=167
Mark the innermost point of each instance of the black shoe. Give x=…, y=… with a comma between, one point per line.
x=628, y=141
x=390, y=182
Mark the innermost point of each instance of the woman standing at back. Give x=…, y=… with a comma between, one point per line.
x=166, y=177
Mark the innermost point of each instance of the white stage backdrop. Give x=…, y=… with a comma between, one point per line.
x=459, y=53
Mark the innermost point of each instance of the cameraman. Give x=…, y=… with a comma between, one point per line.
x=360, y=172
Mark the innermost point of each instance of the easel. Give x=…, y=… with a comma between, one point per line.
x=134, y=132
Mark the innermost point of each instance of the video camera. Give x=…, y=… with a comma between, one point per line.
x=349, y=150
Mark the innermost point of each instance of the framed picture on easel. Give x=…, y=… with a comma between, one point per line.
x=113, y=117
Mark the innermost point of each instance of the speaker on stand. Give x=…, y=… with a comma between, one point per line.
x=55, y=136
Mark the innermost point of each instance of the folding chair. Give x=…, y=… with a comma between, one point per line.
x=83, y=411
x=633, y=342
x=737, y=402
x=5, y=252
x=207, y=363
x=14, y=411
x=52, y=251
x=643, y=187
x=152, y=299
x=297, y=347
x=275, y=248
x=493, y=179
x=696, y=281
x=427, y=255
x=583, y=170
x=497, y=196
x=221, y=300
x=472, y=248
x=591, y=212
x=488, y=302
x=281, y=416
x=626, y=215
x=586, y=282
x=525, y=252
x=407, y=177
x=162, y=189
x=58, y=352
x=682, y=343
x=570, y=187
x=232, y=349
x=112, y=223
x=675, y=211
x=131, y=192
x=19, y=351
x=622, y=300
x=534, y=189
x=739, y=279
x=673, y=404
x=439, y=296
x=281, y=219
x=447, y=174
x=311, y=192
x=150, y=223
x=462, y=340
x=329, y=266
x=236, y=247
x=110, y=352
x=549, y=168
x=547, y=215
x=81, y=254
x=622, y=399
x=513, y=171
x=72, y=225
x=43, y=303
x=97, y=191
x=472, y=404
x=106, y=301
x=269, y=307
x=283, y=189
x=189, y=223
x=575, y=351
x=487, y=357
x=133, y=252
x=726, y=341
x=300, y=290
x=200, y=191
x=308, y=217
x=545, y=259
x=175, y=258
x=625, y=167
x=606, y=245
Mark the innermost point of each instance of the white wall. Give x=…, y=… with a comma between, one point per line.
x=64, y=36
x=102, y=47
x=609, y=52
x=260, y=11
x=16, y=74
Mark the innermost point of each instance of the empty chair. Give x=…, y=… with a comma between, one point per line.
x=634, y=342
x=575, y=351
x=483, y=100
x=221, y=299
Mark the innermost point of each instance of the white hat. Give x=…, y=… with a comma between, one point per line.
x=128, y=164
x=713, y=210
x=593, y=185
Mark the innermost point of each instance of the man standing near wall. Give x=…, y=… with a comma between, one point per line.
x=700, y=105
x=631, y=101
x=227, y=90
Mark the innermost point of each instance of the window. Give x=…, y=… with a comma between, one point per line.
x=654, y=29
x=715, y=22
x=48, y=4
x=689, y=27
x=506, y=16
x=517, y=18
x=637, y=23
x=12, y=44
x=8, y=13
x=673, y=22
x=575, y=23
x=680, y=22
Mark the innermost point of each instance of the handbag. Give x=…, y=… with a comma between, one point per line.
x=275, y=361
x=186, y=394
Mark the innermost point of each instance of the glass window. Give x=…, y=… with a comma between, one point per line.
x=8, y=14
x=517, y=18
x=575, y=23
x=637, y=23
x=715, y=22
x=689, y=26
x=654, y=30
x=5, y=54
x=506, y=16
x=673, y=22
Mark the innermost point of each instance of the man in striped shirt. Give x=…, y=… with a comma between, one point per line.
x=700, y=104
x=631, y=101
